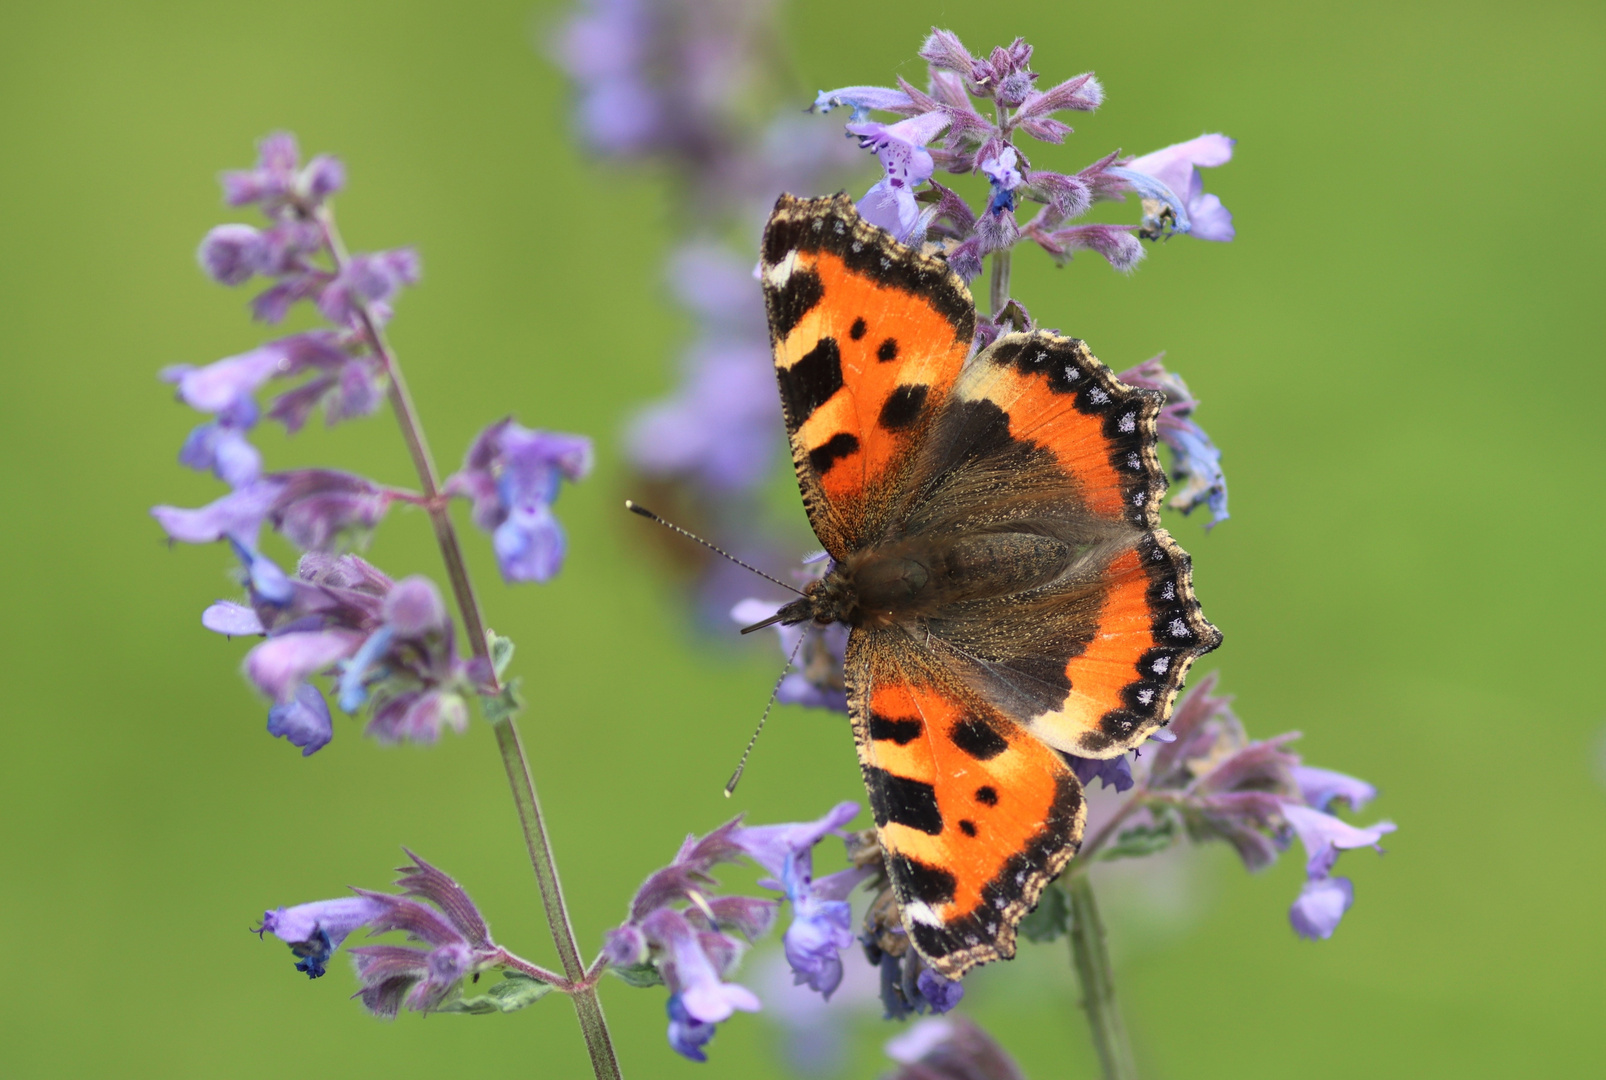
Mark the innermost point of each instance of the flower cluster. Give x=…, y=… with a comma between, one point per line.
x=680, y=934
x=913, y=207
x=1209, y=781
x=388, y=646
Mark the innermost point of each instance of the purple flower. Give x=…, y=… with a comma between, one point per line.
x=1082, y=93
x=303, y=721
x=1324, y=899
x=862, y=99
x=1115, y=772
x=687, y=1034
x=818, y=682
x=1177, y=168
x=238, y=515
x=314, y=931
x=890, y=203
x=222, y=448
x=1322, y=787
x=1114, y=242
x=1195, y=460
x=1321, y=904
x=690, y=971
x=941, y=994
x=821, y=916
x=512, y=474
x=231, y=254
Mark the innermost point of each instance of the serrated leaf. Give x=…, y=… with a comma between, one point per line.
x=1050, y=919
x=1142, y=840
x=514, y=992
x=639, y=975
x=501, y=706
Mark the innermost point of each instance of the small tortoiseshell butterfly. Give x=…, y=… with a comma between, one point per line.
x=994, y=526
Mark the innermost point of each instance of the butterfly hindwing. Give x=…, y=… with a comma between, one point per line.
x=869, y=337
x=1092, y=663
x=975, y=814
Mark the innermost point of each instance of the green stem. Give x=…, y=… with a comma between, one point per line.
x=604, y=1063
x=1092, y=962
x=998, y=296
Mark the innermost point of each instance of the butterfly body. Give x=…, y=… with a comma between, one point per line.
x=993, y=525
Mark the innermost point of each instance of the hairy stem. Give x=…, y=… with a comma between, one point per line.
x=998, y=296
x=587, y=1006
x=1092, y=961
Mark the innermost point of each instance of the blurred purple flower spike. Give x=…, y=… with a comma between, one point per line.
x=1324, y=899
x=862, y=99
x=303, y=721
x=1177, y=167
x=1195, y=460
x=950, y=1048
x=512, y=474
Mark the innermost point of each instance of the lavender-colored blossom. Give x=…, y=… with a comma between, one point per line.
x=862, y=99
x=890, y=203
x=1324, y=836
x=238, y=516
x=1115, y=772
x=1115, y=243
x=1177, y=168
x=512, y=474
x=687, y=1034
x=232, y=254
x=821, y=915
x=1320, y=788
x=1195, y=460
x=315, y=930
x=303, y=721
x=691, y=971
x=1320, y=906
x=222, y=447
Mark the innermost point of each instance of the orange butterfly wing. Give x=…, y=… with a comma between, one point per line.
x=869, y=337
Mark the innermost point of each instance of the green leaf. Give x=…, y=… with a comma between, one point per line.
x=1142, y=840
x=502, y=706
x=514, y=992
x=501, y=650
x=639, y=975
x=1050, y=919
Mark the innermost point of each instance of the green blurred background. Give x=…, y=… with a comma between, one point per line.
x=1400, y=356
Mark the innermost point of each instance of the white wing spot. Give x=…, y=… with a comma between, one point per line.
x=1170, y=592
x=1040, y=357
x=972, y=939
x=1000, y=903
x=1140, y=498
x=1134, y=462
x=858, y=246
x=1099, y=396
x=886, y=263
x=1162, y=665
x=1146, y=696
x=1071, y=374
x=1129, y=423
x=1020, y=878
x=921, y=912
x=779, y=274
x=1180, y=629
x=992, y=929
x=819, y=223
x=839, y=226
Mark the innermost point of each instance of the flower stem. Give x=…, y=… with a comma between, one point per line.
x=1092, y=962
x=998, y=296
x=587, y=1005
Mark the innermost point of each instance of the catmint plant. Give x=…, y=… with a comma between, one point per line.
x=334, y=635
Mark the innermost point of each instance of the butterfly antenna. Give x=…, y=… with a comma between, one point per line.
x=730, y=786
x=637, y=508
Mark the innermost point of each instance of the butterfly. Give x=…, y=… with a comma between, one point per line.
x=993, y=526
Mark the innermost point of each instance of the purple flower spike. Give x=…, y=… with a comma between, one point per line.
x=280, y=665
x=691, y=973
x=890, y=203
x=1177, y=167
x=237, y=515
x=314, y=931
x=367, y=280
x=1115, y=242
x=303, y=721
x=276, y=180
x=1321, y=904
x=512, y=473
